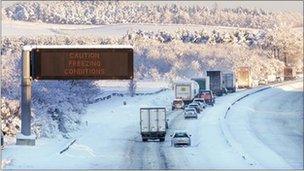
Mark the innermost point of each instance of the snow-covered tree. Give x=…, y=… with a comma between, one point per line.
x=288, y=46
x=153, y=59
x=107, y=12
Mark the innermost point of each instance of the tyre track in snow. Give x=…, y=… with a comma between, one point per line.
x=149, y=155
x=176, y=157
x=160, y=155
x=203, y=152
x=156, y=155
x=171, y=160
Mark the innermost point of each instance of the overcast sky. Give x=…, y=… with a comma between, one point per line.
x=267, y=5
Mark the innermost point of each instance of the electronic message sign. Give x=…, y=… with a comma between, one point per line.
x=97, y=63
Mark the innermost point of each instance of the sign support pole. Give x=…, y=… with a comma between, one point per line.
x=25, y=137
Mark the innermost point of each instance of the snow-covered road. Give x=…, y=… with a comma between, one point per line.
x=263, y=130
x=269, y=126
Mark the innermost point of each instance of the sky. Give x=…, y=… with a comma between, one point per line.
x=274, y=6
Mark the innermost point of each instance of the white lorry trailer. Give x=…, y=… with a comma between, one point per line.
x=153, y=123
x=185, y=90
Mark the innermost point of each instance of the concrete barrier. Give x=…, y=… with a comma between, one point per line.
x=107, y=97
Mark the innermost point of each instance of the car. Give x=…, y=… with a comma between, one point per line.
x=201, y=102
x=263, y=82
x=178, y=104
x=207, y=95
x=190, y=113
x=180, y=138
x=279, y=79
x=203, y=105
x=197, y=107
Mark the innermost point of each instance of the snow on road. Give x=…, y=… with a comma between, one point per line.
x=111, y=137
x=269, y=126
x=100, y=144
x=209, y=149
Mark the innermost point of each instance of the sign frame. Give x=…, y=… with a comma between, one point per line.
x=35, y=63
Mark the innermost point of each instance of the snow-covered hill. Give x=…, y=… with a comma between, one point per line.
x=103, y=12
x=166, y=44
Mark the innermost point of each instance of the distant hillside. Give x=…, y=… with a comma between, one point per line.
x=99, y=12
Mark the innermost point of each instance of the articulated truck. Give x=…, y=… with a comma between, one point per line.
x=289, y=73
x=203, y=82
x=216, y=83
x=229, y=82
x=185, y=92
x=153, y=123
x=243, y=75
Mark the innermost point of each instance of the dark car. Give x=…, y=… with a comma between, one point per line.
x=195, y=106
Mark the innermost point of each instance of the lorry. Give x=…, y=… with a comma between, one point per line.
x=243, y=75
x=216, y=83
x=229, y=82
x=271, y=78
x=153, y=123
x=185, y=90
x=203, y=82
x=289, y=73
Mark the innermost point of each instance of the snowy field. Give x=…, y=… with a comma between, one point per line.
x=20, y=28
x=242, y=140
x=141, y=86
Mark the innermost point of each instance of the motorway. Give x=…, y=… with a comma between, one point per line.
x=243, y=140
x=263, y=130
